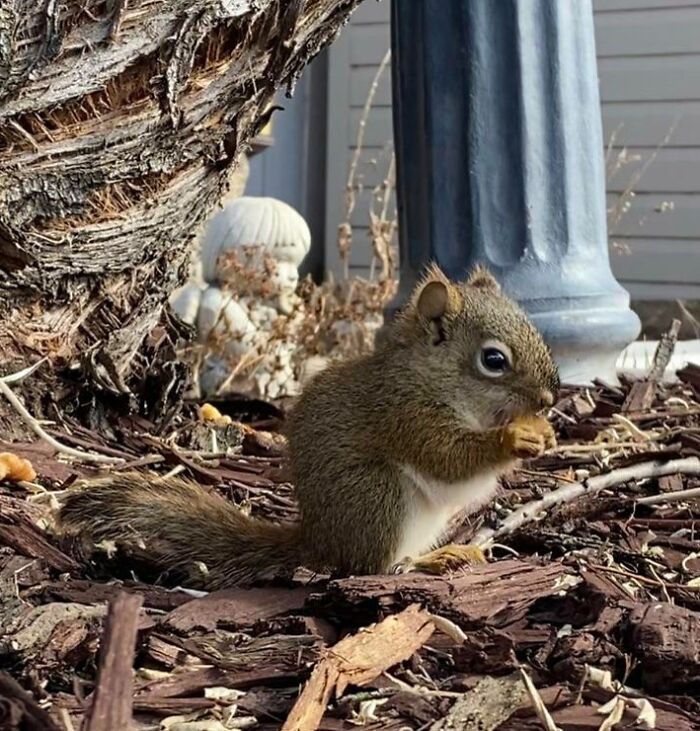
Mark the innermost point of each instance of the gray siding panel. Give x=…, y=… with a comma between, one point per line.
x=360, y=81
x=368, y=44
x=649, y=124
x=649, y=69
x=665, y=291
x=603, y=6
x=372, y=11
x=668, y=170
x=662, y=216
x=363, y=204
x=655, y=260
x=652, y=78
x=379, y=131
x=648, y=32
x=337, y=135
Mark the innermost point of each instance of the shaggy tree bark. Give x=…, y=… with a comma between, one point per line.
x=120, y=122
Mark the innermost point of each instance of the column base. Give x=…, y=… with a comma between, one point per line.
x=586, y=343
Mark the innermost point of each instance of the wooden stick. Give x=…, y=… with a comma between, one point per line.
x=112, y=701
x=39, y=431
x=572, y=491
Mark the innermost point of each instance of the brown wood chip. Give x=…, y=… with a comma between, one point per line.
x=18, y=710
x=29, y=540
x=235, y=608
x=500, y=592
x=111, y=707
x=357, y=660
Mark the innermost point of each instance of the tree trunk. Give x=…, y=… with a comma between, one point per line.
x=120, y=123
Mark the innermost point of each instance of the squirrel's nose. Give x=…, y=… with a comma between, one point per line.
x=546, y=397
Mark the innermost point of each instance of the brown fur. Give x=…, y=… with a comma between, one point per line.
x=418, y=400
x=177, y=525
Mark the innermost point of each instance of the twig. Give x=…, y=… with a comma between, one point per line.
x=645, y=579
x=662, y=583
x=117, y=17
x=65, y=719
x=631, y=427
x=591, y=486
x=37, y=429
x=670, y=497
x=605, y=446
x=21, y=375
x=171, y=473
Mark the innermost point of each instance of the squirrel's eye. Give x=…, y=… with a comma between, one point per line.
x=494, y=360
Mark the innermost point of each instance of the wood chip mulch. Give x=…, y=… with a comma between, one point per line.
x=587, y=617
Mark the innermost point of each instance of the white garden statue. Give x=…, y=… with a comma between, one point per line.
x=256, y=245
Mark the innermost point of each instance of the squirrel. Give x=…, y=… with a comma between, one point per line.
x=383, y=450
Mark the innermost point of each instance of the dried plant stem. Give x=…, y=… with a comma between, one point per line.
x=352, y=172
x=572, y=491
x=619, y=209
x=381, y=227
x=38, y=430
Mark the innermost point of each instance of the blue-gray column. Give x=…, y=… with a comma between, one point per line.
x=500, y=160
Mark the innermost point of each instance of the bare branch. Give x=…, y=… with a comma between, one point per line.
x=573, y=490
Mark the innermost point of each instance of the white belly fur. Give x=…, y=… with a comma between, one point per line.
x=431, y=504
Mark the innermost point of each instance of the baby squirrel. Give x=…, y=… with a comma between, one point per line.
x=384, y=449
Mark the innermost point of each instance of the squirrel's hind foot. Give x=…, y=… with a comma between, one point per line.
x=442, y=560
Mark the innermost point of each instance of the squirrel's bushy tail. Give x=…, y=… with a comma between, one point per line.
x=178, y=526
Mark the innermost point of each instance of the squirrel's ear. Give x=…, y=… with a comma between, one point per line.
x=482, y=278
x=433, y=300
x=436, y=296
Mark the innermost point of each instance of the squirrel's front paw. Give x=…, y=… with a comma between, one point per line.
x=528, y=437
x=442, y=560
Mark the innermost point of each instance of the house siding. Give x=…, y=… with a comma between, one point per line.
x=649, y=70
